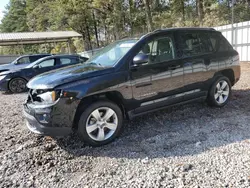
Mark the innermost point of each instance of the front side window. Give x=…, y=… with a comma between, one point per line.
x=23, y=60
x=159, y=50
x=47, y=63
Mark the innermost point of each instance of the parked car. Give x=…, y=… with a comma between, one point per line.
x=21, y=62
x=132, y=77
x=16, y=80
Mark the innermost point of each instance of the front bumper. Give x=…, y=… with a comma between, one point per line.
x=43, y=129
x=4, y=85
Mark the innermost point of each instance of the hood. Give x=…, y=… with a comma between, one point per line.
x=65, y=75
x=7, y=67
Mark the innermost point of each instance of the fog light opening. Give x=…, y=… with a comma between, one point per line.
x=44, y=118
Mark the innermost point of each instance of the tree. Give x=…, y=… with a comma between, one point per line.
x=15, y=18
x=101, y=22
x=200, y=11
x=149, y=16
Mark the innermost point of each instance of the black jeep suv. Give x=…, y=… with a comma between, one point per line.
x=129, y=78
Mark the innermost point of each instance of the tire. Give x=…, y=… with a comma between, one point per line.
x=96, y=127
x=220, y=92
x=17, y=85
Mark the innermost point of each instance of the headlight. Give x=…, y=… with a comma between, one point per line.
x=2, y=77
x=48, y=97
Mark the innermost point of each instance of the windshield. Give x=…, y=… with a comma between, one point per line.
x=34, y=63
x=109, y=55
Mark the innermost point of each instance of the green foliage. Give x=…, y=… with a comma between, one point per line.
x=15, y=17
x=101, y=22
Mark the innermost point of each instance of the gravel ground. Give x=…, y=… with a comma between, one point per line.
x=186, y=146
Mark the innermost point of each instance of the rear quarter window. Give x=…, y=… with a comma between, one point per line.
x=219, y=42
x=223, y=44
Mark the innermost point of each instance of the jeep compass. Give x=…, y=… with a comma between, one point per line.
x=129, y=78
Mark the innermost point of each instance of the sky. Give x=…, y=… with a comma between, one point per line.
x=3, y=3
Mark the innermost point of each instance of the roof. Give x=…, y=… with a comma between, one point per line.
x=186, y=29
x=36, y=37
x=65, y=55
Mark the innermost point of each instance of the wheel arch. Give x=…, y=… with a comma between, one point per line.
x=112, y=96
x=229, y=73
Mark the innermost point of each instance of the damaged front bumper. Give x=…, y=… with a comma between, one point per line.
x=50, y=119
x=35, y=126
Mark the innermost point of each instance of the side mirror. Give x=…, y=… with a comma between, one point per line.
x=36, y=67
x=140, y=59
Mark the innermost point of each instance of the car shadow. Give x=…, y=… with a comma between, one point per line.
x=178, y=131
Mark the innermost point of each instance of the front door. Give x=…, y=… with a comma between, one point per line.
x=159, y=82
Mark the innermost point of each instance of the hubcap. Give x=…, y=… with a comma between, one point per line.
x=101, y=124
x=221, y=92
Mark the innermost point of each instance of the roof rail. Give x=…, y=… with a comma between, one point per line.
x=157, y=30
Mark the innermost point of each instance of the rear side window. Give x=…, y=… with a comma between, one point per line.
x=194, y=44
x=66, y=61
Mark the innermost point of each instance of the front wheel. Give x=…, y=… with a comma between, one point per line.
x=220, y=92
x=100, y=123
x=17, y=85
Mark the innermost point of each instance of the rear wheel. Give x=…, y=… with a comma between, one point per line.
x=17, y=85
x=100, y=123
x=220, y=92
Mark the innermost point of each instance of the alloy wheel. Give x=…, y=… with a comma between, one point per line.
x=17, y=85
x=101, y=124
x=222, y=92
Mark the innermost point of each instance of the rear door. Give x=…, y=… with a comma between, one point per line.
x=196, y=55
